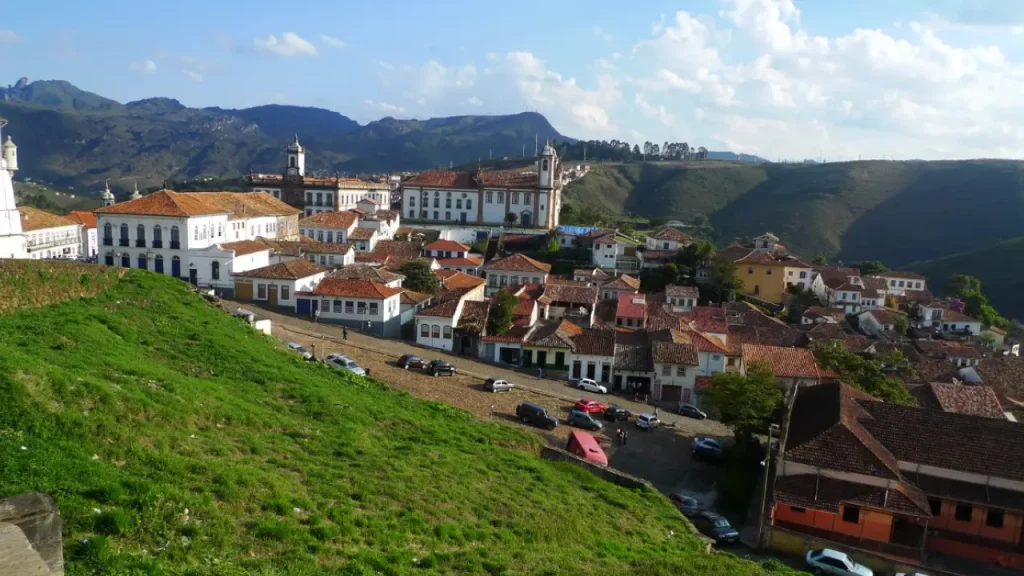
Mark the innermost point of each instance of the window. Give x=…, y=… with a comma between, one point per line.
x=469, y=204
x=158, y=237
x=215, y=270
x=447, y=332
x=490, y=197
x=842, y=295
x=437, y=202
x=108, y=234
x=515, y=197
x=963, y=512
x=447, y=215
x=425, y=330
x=261, y=291
x=666, y=370
x=412, y=213
x=501, y=197
x=325, y=305
x=680, y=370
x=769, y=272
x=448, y=203
x=917, y=285
x=435, y=213
x=994, y=518
x=360, y=308
x=515, y=280
x=330, y=236
x=901, y=284
x=526, y=197
x=124, y=234
x=536, y=280
x=284, y=292
x=109, y=259
x=803, y=274
x=126, y=261
x=851, y=514
x=374, y=308
x=544, y=165
x=750, y=270
x=412, y=202
x=797, y=509
x=142, y=262
x=159, y=266
x=140, y=236
x=458, y=204
x=435, y=331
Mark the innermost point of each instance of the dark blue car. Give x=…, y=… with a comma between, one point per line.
x=715, y=526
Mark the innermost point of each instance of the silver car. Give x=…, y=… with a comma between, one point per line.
x=339, y=362
x=498, y=385
x=301, y=350
x=591, y=386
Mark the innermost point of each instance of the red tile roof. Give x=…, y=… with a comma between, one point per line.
x=446, y=246
x=962, y=399
x=290, y=270
x=366, y=272
x=33, y=219
x=824, y=493
x=413, y=297
x=446, y=309
x=784, y=362
x=623, y=282
x=355, y=289
x=442, y=179
x=594, y=342
x=362, y=234
x=518, y=263
x=399, y=248
x=568, y=294
x=244, y=247
x=184, y=204
x=524, y=307
x=673, y=291
x=459, y=280
x=671, y=234
x=631, y=306
x=674, y=353
x=508, y=179
x=86, y=219
x=590, y=273
x=344, y=220
x=515, y=334
x=468, y=262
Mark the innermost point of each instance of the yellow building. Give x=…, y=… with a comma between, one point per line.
x=766, y=270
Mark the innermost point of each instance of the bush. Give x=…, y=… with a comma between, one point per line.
x=113, y=523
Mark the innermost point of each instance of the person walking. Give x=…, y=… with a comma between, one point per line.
x=618, y=435
x=655, y=411
x=540, y=372
x=344, y=333
x=490, y=411
x=316, y=316
x=625, y=437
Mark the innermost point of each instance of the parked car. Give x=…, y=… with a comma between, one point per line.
x=533, y=414
x=616, y=413
x=583, y=420
x=345, y=363
x=833, y=562
x=591, y=386
x=497, y=385
x=692, y=411
x=688, y=505
x=439, y=367
x=410, y=361
x=647, y=422
x=714, y=526
x=301, y=350
x=707, y=449
x=589, y=406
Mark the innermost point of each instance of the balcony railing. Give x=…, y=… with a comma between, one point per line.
x=108, y=241
x=140, y=243
x=124, y=242
x=175, y=245
x=158, y=243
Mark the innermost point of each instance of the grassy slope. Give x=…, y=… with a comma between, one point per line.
x=209, y=450
x=35, y=283
x=997, y=266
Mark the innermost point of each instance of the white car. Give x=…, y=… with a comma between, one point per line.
x=340, y=362
x=591, y=386
x=647, y=422
x=834, y=563
x=301, y=350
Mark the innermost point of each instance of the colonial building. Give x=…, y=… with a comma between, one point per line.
x=482, y=197
x=312, y=194
x=183, y=234
x=12, y=238
x=49, y=235
x=90, y=241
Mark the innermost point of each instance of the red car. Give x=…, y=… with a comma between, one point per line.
x=589, y=406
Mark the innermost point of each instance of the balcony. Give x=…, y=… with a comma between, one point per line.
x=140, y=243
x=158, y=243
x=108, y=241
x=124, y=242
x=175, y=245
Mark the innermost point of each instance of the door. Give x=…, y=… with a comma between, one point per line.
x=462, y=219
x=527, y=357
x=577, y=368
x=158, y=265
x=243, y=290
x=176, y=267
x=301, y=304
x=542, y=358
x=314, y=306
x=526, y=219
x=272, y=294
x=671, y=393
x=591, y=370
x=193, y=276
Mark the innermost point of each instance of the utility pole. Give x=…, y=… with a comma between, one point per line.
x=536, y=143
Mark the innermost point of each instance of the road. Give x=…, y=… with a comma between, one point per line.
x=661, y=456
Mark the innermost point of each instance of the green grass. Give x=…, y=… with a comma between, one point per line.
x=176, y=440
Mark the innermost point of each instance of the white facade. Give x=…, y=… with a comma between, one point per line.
x=90, y=242
x=64, y=242
x=436, y=332
x=215, y=265
x=710, y=363
x=605, y=252
x=12, y=240
x=899, y=285
x=666, y=375
x=580, y=365
x=331, y=259
x=870, y=325
x=352, y=310
x=285, y=289
x=498, y=279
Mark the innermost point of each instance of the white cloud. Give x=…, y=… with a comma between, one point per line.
x=147, y=66
x=474, y=101
x=384, y=107
x=603, y=35
x=562, y=98
x=652, y=111
x=8, y=36
x=194, y=75
x=332, y=41
x=288, y=45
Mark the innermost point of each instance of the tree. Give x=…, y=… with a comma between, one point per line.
x=725, y=282
x=499, y=318
x=871, y=267
x=900, y=323
x=962, y=285
x=867, y=374
x=747, y=402
x=511, y=218
x=549, y=253
x=419, y=277
x=636, y=151
x=819, y=261
x=655, y=150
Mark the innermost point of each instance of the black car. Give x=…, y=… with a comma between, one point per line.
x=530, y=413
x=410, y=361
x=616, y=413
x=583, y=420
x=439, y=367
x=688, y=505
x=715, y=526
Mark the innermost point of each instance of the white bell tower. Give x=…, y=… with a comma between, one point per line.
x=108, y=196
x=12, y=239
x=296, y=159
x=548, y=162
x=135, y=194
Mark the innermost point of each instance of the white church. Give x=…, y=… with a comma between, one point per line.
x=13, y=243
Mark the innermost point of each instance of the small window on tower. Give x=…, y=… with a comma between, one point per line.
x=544, y=165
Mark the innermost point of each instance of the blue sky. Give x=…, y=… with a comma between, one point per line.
x=781, y=78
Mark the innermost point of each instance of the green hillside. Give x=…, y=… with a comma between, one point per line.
x=176, y=440
x=998, y=267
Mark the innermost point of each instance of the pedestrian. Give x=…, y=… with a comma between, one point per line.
x=316, y=316
x=490, y=411
x=618, y=435
x=344, y=333
x=625, y=437
x=540, y=372
x=655, y=411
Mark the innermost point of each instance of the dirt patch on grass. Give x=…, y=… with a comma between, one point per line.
x=36, y=283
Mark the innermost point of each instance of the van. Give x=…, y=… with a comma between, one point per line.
x=535, y=415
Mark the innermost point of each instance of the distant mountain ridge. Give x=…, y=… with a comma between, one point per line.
x=74, y=138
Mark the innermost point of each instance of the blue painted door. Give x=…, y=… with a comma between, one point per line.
x=302, y=306
x=176, y=268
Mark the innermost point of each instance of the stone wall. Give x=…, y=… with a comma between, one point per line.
x=610, y=474
x=30, y=536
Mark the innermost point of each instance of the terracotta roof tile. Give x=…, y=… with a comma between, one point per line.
x=508, y=179
x=446, y=309
x=343, y=220
x=623, y=282
x=474, y=316
x=594, y=342
x=631, y=306
x=441, y=179
x=86, y=219
x=446, y=246
x=673, y=291
x=824, y=493
x=570, y=294
x=460, y=280
x=962, y=399
x=184, y=204
x=784, y=362
x=674, y=353
x=362, y=234
x=518, y=263
x=366, y=272
x=355, y=289
x=554, y=335
x=469, y=261
x=1005, y=374
x=33, y=219
x=399, y=248
x=659, y=255
x=595, y=273
x=524, y=306
x=289, y=270
x=244, y=247
x=341, y=182
x=671, y=234
x=515, y=334
x=412, y=297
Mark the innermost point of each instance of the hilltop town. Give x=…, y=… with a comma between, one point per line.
x=811, y=404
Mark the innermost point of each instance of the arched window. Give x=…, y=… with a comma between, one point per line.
x=140, y=235
x=158, y=264
x=126, y=261
x=425, y=330
x=215, y=270
x=291, y=161
x=174, y=237
x=158, y=237
x=435, y=331
x=544, y=165
x=142, y=262
x=124, y=234
x=108, y=234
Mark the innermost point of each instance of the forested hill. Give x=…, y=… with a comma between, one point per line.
x=896, y=212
